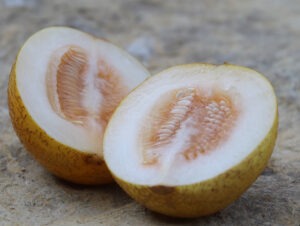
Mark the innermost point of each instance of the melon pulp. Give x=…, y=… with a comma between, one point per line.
x=63, y=88
x=192, y=138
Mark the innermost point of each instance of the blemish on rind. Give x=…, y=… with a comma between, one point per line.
x=162, y=189
x=93, y=159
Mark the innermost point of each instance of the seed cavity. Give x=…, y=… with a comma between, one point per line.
x=214, y=124
x=70, y=84
x=206, y=122
x=178, y=113
x=82, y=93
x=170, y=124
x=111, y=87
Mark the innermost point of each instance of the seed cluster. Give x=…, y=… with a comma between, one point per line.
x=77, y=95
x=206, y=120
x=213, y=123
x=70, y=84
x=170, y=124
x=178, y=113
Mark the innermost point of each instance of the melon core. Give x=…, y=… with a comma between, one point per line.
x=205, y=121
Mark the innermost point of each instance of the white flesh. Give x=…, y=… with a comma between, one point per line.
x=250, y=92
x=31, y=69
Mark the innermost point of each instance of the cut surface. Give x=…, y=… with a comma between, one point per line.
x=206, y=120
x=71, y=83
x=188, y=124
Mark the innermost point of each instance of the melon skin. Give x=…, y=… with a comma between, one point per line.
x=63, y=161
x=207, y=197
x=69, y=148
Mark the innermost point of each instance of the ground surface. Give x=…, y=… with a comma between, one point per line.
x=262, y=34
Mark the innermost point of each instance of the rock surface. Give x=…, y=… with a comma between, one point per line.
x=261, y=34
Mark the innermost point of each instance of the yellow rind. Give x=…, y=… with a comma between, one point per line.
x=209, y=196
x=63, y=161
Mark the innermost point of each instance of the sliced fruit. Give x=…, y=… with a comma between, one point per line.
x=63, y=88
x=193, y=138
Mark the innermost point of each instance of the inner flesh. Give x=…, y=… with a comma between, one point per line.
x=198, y=122
x=82, y=90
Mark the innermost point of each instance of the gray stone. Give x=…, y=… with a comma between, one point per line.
x=19, y=3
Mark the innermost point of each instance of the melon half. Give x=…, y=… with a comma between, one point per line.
x=63, y=88
x=191, y=139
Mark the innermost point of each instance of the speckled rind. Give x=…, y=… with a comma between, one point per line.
x=63, y=161
x=210, y=196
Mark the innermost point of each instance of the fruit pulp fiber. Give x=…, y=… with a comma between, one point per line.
x=80, y=90
x=206, y=121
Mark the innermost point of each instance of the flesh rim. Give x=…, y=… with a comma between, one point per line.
x=244, y=87
x=46, y=50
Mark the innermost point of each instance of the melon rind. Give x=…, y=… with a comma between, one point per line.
x=207, y=196
x=61, y=160
x=71, y=160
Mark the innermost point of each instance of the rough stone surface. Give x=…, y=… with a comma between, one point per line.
x=262, y=34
